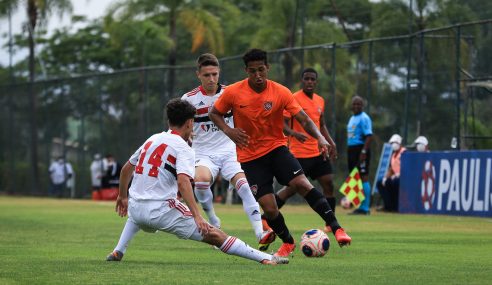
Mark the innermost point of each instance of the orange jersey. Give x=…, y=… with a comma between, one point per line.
x=260, y=115
x=314, y=108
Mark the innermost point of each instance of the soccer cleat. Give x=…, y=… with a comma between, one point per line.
x=327, y=229
x=267, y=238
x=285, y=249
x=275, y=260
x=342, y=237
x=115, y=256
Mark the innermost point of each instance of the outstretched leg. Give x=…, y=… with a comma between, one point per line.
x=129, y=231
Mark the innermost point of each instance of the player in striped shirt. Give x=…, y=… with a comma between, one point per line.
x=162, y=166
x=215, y=152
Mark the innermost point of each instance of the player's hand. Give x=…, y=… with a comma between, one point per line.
x=203, y=226
x=324, y=147
x=333, y=153
x=121, y=206
x=300, y=136
x=238, y=136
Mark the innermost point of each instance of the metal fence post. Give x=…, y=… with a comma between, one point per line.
x=458, y=83
x=333, y=130
x=369, y=78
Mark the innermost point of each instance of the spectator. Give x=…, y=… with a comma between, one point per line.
x=60, y=171
x=112, y=173
x=96, y=172
x=389, y=186
x=421, y=144
x=359, y=136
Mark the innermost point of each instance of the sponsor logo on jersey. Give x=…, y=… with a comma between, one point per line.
x=268, y=105
x=201, y=103
x=209, y=127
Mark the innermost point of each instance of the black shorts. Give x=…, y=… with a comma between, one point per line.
x=278, y=163
x=353, y=155
x=315, y=167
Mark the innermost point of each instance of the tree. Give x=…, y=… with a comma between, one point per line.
x=174, y=15
x=37, y=13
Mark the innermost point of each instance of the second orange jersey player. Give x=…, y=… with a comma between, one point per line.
x=305, y=147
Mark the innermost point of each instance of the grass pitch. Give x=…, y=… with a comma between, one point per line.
x=47, y=241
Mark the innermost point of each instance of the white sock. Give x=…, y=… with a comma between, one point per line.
x=127, y=235
x=204, y=195
x=250, y=206
x=235, y=246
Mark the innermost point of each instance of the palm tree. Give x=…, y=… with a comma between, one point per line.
x=193, y=17
x=37, y=12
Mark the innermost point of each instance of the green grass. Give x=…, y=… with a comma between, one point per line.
x=46, y=241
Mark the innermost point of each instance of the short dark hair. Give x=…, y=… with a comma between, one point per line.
x=179, y=111
x=309, y=69
x=255, y=55
x=206, y=59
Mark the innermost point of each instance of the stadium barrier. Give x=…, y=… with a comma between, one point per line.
x=447, y=182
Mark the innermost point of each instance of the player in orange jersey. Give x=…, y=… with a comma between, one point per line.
x=258, y=105
x=305, y=147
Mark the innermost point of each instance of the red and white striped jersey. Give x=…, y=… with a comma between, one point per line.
x=157, y=163
x=208, y=138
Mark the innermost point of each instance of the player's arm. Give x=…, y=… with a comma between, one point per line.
x=237, y=135
x=310, y=128
x=184, y=187
x=122, y=200
x=291, y=133
x=324, y=131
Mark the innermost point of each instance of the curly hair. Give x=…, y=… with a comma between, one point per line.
x=179, y=111
x=255, y=55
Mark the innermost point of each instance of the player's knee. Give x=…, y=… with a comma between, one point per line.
x=215, y=236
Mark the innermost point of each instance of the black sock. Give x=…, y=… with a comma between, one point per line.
x=279, y=201
x=332, y=201
x=280, y=228
x=319, y=204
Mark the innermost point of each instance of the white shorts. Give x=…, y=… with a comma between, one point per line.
x=226, y=163
x=170, y=216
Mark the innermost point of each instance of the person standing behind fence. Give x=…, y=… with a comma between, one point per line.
x=60, y=172
x=389, y=186
x=96, y=172
x=111, y=178
x=421, y=144
x=359, y=136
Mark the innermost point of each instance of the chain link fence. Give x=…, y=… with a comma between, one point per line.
x=434, y=83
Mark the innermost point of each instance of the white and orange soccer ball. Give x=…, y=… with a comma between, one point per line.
x=315, y=243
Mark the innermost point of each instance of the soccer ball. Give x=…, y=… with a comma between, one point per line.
x=315, y=243
x=345, y=203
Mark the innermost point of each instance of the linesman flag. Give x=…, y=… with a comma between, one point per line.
x=352, y=188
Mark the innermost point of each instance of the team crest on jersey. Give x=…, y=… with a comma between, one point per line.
x=254, y=189
x=268, y=105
